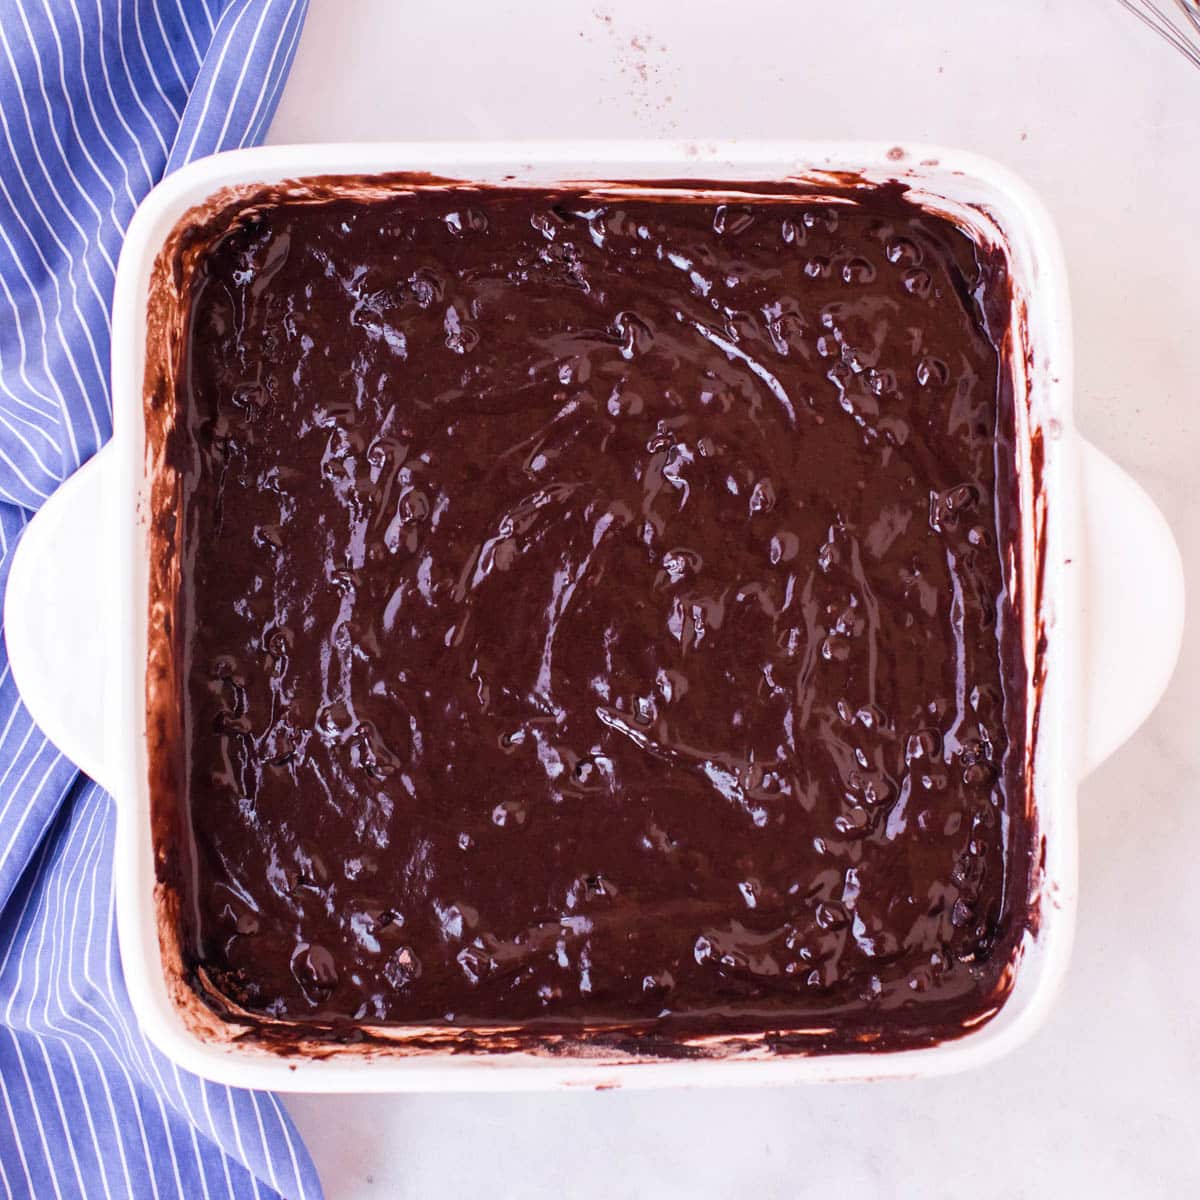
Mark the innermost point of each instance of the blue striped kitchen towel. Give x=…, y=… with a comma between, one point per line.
x=98, y=99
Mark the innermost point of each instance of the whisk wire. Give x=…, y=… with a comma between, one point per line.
x=1185, y=38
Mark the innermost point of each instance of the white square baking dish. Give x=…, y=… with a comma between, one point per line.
x=1099, y=651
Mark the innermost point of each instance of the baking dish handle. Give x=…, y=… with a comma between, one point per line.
x=55, y=620
x=1132, y=605
x=53, y=623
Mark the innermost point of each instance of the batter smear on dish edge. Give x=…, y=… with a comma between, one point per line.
x=593, y=614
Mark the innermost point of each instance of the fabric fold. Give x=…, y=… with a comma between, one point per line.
x=98, y=100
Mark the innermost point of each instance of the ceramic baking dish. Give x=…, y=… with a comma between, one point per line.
x=1099, y=570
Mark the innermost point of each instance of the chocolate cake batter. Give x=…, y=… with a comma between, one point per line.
x=592, y=615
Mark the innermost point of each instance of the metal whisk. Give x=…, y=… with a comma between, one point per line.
x=1179, y=24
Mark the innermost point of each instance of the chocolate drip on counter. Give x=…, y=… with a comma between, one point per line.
x=592, y=613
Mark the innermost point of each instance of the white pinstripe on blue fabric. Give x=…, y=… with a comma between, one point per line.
x=98, y=99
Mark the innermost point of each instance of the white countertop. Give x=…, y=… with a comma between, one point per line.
x=1105, y=122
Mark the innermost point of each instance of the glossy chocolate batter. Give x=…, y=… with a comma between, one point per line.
x=592, y=615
